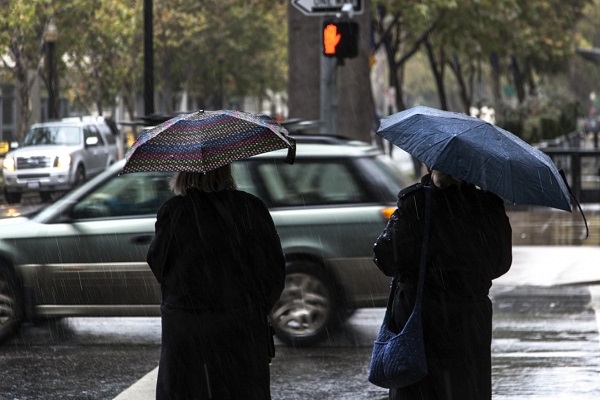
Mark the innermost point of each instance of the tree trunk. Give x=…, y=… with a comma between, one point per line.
x=356, y=114
x=355, y=104
x=438, y=73
x=24, y=87
x=465, y=99
x=495, y=68
x=518, y=79
x=24, y=110
x=304, y=34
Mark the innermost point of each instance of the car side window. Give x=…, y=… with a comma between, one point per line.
x=92, y=131
x=129, y=195
x=318, y=182
x=107, y=135
x=243, y=180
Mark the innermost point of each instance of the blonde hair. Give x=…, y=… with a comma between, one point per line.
x=211, y=181
x=443, y=180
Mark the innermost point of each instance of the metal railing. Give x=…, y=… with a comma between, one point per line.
x=581, y=162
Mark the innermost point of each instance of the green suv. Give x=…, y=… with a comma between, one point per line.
x=84, y=255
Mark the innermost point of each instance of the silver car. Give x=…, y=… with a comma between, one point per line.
x=57, y=156
x=84, y=255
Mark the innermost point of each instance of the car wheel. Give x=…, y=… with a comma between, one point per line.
x=307, y=309
x=12, y=198
x=79, y=176
x=11, y=303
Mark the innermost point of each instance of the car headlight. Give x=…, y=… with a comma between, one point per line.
x=9, y=164
x=63, y=160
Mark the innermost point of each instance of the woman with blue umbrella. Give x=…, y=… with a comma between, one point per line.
x=469, y=246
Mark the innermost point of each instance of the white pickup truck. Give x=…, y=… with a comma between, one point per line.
x=57, y=156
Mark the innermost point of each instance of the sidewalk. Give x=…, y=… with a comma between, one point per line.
x=144, y=389
x=532, y=266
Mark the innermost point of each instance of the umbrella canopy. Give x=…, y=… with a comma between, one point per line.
x=206, y=140
x=478, y=152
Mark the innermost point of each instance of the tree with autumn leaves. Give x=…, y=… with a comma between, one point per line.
x=233, y=48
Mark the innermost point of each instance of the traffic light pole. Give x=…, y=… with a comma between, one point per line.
x=339, y=40
x=329, y=98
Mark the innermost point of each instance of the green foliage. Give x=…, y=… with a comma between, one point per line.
x=197, y=45
x=542, y=119
x=462, y=35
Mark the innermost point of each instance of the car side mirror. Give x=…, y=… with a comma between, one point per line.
x=91, y=141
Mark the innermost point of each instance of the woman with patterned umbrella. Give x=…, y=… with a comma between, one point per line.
x=216, y=254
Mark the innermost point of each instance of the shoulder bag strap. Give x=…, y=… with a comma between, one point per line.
x=424, y=246
x=422, y=261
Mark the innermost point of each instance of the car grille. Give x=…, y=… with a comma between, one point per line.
x=33, y=176
x=34, y=162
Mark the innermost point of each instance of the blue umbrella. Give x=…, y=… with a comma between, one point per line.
x=478, y=152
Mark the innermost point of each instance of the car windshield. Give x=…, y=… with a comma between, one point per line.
x=320, y=181
x=61, y=135
x=127, y=195
x=394, y=178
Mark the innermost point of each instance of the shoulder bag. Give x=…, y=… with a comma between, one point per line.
x=398, y=359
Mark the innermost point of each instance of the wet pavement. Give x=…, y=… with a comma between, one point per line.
x=546, y=343
x=546, y=346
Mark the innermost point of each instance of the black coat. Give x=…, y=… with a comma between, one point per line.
x=469, y=246
x=218, y=282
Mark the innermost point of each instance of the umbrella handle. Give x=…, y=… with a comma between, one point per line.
x=587, y=229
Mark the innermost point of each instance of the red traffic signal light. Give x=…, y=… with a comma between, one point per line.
x=340, y=39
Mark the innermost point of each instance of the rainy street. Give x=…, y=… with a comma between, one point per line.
x=546, y=346
x=220, y=161
x=546, y=343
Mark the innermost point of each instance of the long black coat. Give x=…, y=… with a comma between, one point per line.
x=469, y=245
x=216, y=291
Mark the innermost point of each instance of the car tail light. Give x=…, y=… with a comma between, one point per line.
x=387, y=212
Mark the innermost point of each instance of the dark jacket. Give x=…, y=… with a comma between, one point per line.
x=218, y=282
x=469, y=246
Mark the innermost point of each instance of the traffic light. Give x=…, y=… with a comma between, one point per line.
x=340, y=39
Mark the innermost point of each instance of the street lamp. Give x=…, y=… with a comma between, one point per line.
x=50, y=38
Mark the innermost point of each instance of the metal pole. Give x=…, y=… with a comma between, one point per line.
x=52, y=101
x=148, y=60
x=221, y=101
x=50, y=38
x=328, y=94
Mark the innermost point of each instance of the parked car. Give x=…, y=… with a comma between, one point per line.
x=57, y=156
x=84, y=255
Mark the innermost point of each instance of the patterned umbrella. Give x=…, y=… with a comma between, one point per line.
x=206, y=140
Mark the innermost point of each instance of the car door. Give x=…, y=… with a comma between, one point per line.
x=96, y=155
x=325, y=208
x=95, y=263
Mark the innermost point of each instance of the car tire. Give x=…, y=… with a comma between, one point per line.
x=11, y=303
x=12, y=198
x=307, y=310
x=79, y=176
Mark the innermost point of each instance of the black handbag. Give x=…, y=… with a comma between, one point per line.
x=398, y=359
